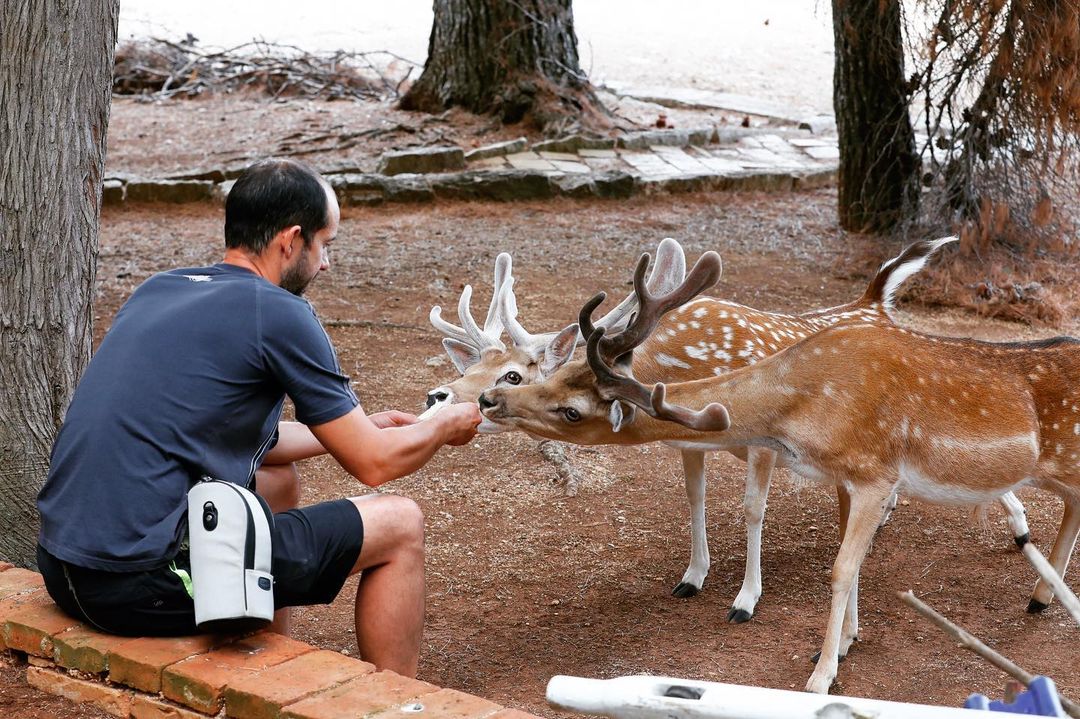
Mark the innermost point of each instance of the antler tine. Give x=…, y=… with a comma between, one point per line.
x=447, y=328
x=705, y=274
x=668, y=269
x=611, y=384
x=713, y=417
x=476, y=336
x=519, y=336
x=585, y=323
x=612, y=346
x=493, y=324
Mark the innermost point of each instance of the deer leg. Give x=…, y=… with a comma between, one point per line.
x=694, y=576
x=843, y=503
x=1017, y=518
x=866, y=509
x=759, y=466
x=1059, y=555
x=850, y=631
x=889, y=507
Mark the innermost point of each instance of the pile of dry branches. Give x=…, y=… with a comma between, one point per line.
x=159, y=69
x=1001, y=103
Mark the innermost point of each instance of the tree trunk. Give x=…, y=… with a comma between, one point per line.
x=56, y=60
x=879, y=168
x=516, y=59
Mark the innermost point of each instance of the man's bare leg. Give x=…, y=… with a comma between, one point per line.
x=390, y=597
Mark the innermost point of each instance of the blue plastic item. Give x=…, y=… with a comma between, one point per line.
x=1040, y=699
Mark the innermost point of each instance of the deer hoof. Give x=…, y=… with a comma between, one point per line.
x=817, y=655
x=738, y=616
x=684, y=590
x=1022, y=539
x=1036, y=607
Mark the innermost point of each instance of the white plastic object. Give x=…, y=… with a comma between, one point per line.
x=648, y=697
x=229, y=538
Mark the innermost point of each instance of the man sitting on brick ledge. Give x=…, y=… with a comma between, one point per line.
x=191, y=380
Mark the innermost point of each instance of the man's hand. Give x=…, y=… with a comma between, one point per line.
x=392, y=418
x=461, y=421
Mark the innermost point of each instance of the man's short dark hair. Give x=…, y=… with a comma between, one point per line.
x=270, y=196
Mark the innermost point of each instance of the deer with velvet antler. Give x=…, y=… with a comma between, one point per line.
x=707, y=337
x=868, y=406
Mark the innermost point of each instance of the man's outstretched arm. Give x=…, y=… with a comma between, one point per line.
x=376, y=454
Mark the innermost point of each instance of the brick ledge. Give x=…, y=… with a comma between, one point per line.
x=260, y=676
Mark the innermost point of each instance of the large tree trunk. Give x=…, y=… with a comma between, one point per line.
x=879, y=168
x=56, y=60
x=515, y=59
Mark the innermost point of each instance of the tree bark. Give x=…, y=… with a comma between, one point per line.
x=56, y=60
x=879, y=168
x=516, y=59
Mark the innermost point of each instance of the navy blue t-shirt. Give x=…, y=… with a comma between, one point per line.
x=189, y=380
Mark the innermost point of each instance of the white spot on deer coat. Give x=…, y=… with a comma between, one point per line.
x=698, y=353
x=666, y=360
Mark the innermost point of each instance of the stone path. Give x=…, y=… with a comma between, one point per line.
x=663, y=160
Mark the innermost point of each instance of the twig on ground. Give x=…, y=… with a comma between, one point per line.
x=970, y=642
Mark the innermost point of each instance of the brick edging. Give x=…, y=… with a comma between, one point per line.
x=259, y=676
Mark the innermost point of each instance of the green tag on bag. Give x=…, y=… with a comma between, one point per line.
x=184, y=577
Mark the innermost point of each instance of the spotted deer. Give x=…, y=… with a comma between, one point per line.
x=706, y=338
x=868, y=406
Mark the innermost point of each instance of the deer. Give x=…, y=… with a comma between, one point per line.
x=866, y=405
x=729, y=336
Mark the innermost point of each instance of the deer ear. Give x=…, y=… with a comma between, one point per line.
x=462, y=355
x=559, y=351
x=618, y=417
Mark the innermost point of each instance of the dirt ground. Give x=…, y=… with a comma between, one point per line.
x=524, y=582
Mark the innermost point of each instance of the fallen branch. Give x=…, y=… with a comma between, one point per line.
x=1049, y=575
x=971, y=643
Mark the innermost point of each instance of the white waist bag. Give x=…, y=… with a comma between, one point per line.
x=229, y=539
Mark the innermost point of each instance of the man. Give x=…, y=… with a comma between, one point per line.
x=190, y=380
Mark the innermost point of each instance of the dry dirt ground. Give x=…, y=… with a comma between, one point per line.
x=524, y=582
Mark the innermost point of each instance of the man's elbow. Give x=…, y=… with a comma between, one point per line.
x=372, y=473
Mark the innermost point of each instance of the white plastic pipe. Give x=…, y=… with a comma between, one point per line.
x=644, y=697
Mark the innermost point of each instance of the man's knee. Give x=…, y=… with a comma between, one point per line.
x=392, y=524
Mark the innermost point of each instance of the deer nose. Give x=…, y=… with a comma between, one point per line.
x=437, y=395
x=486, y=402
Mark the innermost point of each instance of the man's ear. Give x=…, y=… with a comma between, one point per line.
x=462, y=355
x=559, y=351
x=287, y=239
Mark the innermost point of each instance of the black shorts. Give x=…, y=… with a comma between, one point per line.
x=314, y=550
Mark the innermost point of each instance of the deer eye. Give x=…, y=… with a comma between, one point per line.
x=511, y=377
x=571, y=414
